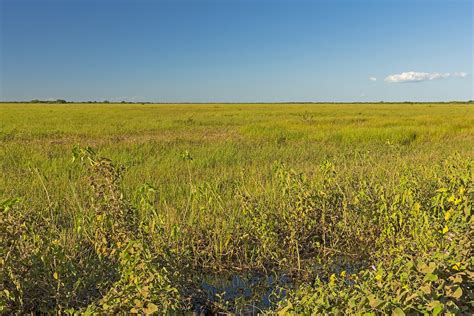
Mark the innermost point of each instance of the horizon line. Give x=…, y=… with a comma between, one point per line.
x=62, y=101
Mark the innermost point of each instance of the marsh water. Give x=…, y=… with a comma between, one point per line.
x=250, y=293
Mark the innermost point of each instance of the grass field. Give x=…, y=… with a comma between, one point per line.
x=309, y=206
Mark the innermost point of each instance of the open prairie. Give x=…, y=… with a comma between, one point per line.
x=223, y=140
x=299, y=208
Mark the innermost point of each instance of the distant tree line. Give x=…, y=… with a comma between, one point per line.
x=48, y=101
x=62, y=101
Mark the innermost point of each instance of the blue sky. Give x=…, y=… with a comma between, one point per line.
x=236, y=51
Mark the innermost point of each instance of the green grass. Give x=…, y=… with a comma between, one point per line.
x=305, y=190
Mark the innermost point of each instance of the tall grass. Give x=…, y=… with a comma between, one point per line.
x=364, y=208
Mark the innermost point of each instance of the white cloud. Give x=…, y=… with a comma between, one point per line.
x=413, y=76
x=372, y=79
x=459, y=74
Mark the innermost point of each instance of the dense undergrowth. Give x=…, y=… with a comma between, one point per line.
x=349, y=243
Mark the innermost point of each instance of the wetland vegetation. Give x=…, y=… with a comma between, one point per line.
x=238, y=208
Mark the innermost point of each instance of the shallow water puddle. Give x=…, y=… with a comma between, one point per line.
x=245, y=295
